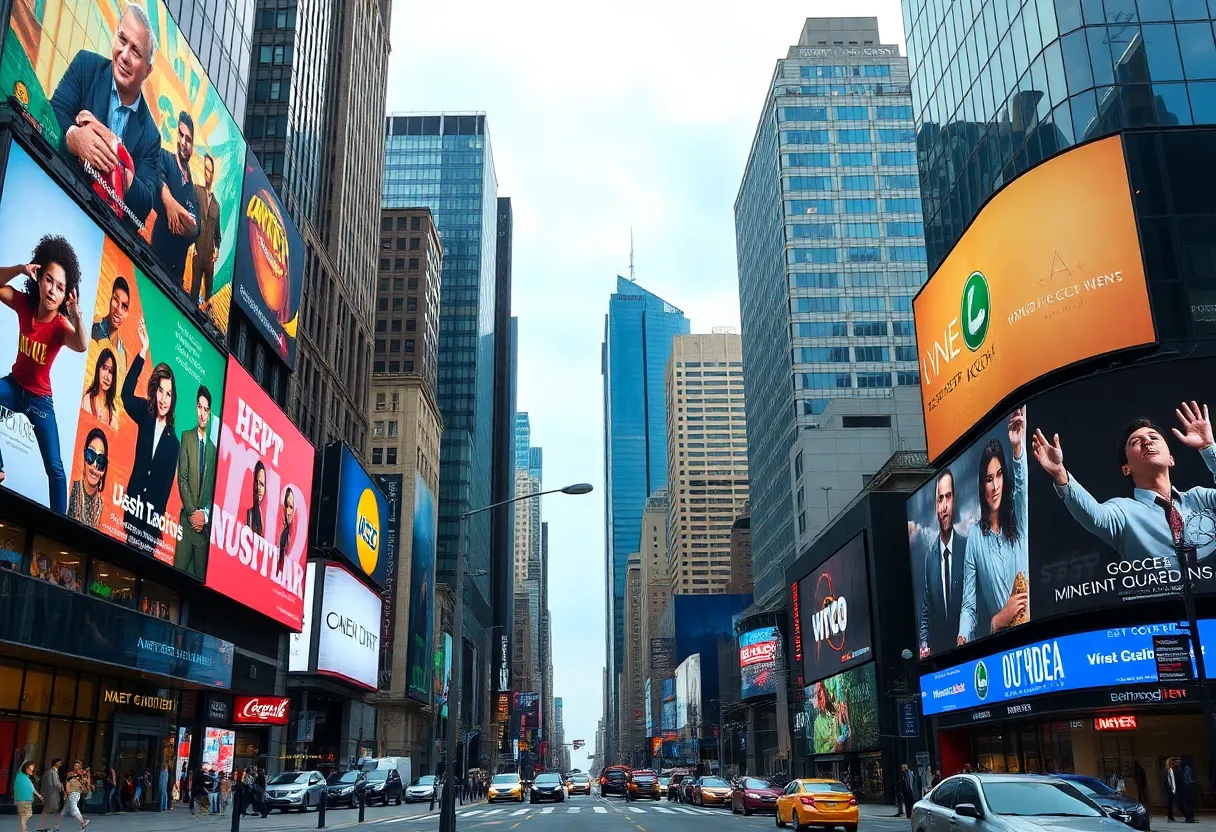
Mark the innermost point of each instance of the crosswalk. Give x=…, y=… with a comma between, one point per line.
x=501, y=813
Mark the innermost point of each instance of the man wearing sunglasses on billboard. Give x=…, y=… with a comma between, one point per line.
x=100, y=101
x=1152, y=522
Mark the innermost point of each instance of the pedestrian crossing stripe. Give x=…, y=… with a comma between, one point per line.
x=600, y=810
x=663, y=810
x=547, y=810
x=639, y=811
x=574, y=810
x=495, y=812
x=686, y=811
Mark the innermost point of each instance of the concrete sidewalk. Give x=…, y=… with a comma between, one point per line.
x=1203, y=823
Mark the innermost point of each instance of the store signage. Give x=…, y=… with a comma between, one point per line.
x=219, y=710
x=1173, y=656
x=909, y=724
x=261, y=710
x=848, y=51
x=1122, y=722
x=130, y=699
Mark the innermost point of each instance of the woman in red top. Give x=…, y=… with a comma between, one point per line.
x=48, y=317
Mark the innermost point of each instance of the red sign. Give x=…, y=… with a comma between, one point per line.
x=797, y=607
x=260, y=710
x=1123, y=722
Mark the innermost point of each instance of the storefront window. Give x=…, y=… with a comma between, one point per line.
x=86, y=696
x=55, y=563
x=64, y=699
x=36, y=697
x=12, y=546
x=110, y=583
x=10, y=685
x=159, y=601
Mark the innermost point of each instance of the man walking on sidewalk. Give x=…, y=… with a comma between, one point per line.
x=905, y=788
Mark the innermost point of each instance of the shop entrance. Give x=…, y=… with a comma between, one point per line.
x=138, y=748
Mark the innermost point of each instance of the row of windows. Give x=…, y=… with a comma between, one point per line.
x=855, y=230
x=854, y=89
x=856, y=254
x=849, y=159
x=851, y=205
x=838, y=71
x=840, y=355
x=861, y=329
x=891, y=112
x=853, y=182
x=864, y=381
x=853, y=135
x=834, y=280
x=865, y=303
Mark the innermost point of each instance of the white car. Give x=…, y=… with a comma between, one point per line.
x=423, y=788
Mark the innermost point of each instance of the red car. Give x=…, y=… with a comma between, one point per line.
x=753, y=795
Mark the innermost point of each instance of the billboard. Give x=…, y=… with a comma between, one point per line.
x=259, y=530
x=759, y=652
x=300, y=644
x=422, y=586
x=649, y=712
x=128, y=447
x=667, y=710
x=348, y=645
x=1052, y=511
x=834, y=612
x=1095, y=659
x=353, y=515
x=269, y=263
x=443, y=672
x=391, y=485
x=168, y=160
x=1049, y=273
x=842, y=712
x=688, y=694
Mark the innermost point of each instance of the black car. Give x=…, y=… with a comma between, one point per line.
x=548, y=787
x=614, y=780
x=383, y=785
x=344, y=789
x=1123, y=809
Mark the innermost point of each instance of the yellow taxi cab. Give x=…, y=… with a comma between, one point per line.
x=817, y=802
x=711, y=791
x=578, y=783
x=506, y=786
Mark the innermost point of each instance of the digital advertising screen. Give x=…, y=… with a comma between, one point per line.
x=688, y=692
x=1049, y=273
x=842, y=712
x=834, y=610
x=759, y=652
x=1095, y=659
x=169, y=162
x=259, y=528
x=353, y=515
x=116, y=394
x=348, y=645
x=392, y=486
x=269, y=263
x=299, y=653
x=649, y=713
x=1014, y=530
x=422, y=588
x=218, y=745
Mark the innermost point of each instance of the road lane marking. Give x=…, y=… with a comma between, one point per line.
x=520, y=812
x=470, y=814
x=684, y=810
x=664, y=810
x=574, y=810
x=635, y=809
x=600, y=810
x=495, y=812
x=547, y=810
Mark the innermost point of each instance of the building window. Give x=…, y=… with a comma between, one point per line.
x=377, y=456
x=391, y=456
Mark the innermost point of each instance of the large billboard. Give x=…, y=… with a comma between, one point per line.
x=667, y=710
x=299, y=651
x=269, y=264
x=348, y=642
x=1050, y=273
x=128, y=447
x=353, y=515
x=391, y=485
x=759, y=652
x=1095, y=659
x=688, y=694
x=259, y=529
x=422, y=589
x=116, y=89
x=842, y=712
x=834, y=610
x=1054, y=510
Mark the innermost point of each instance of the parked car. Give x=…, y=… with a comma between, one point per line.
x=401, y=764
x=548, y=787
x=751, y=794
x=1009, y=803
x=1120, y=807
x=673, y=786
x=644, y=785
x=578, y=783
x=687, y=786
x=506, y=786
x=344, y=788
x=383, y=785
x=614, y=780
x=289, y=790
x=711, y=791
x=818, y=802
x=423, y=788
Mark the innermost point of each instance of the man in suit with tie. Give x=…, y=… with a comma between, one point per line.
x=100, y=100
x=941, y=602
x=196, y=485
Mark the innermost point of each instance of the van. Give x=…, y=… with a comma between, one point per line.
x=402, y=764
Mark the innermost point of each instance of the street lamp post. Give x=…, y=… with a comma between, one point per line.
x=447, y=811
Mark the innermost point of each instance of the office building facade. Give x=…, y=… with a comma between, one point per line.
x=407, y=295
x=638, y=330
x=830, y=253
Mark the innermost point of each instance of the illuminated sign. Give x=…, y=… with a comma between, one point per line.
x=1122, y=722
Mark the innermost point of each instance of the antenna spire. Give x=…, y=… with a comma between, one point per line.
x=632, y=277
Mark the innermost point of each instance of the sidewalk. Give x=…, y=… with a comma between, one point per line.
x=1203, y=823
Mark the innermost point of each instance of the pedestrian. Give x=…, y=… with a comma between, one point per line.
x=1188, y=788
x=200, y=797
x=260, y=784
x=52, y=793
x=905, y=788
x=24, y=793
x=113, y=796
x=937, y=777
x=1116, y=783
x=164, y=787
x=1169, y=785
x=213, y=791
x=137, y=783
x=225, y=792
x=79, y=783
x=247, y=803
x=1141, y=778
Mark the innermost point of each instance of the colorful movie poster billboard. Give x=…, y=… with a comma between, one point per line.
x=169, y=161
x=259, y=530
x=353, y=515
x=422, y=586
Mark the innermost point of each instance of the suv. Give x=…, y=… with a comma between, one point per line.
x=673, y=787
x=615, y=780
x=644, y=785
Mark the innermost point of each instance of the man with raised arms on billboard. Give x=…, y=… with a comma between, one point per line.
x=941, y=602
x=1151, y=522
x=48, y=318
x=196, y=485
x=99, y=102
x=176, y=226
x=997, y=560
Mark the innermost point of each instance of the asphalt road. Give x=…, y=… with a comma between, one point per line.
x=576, y=814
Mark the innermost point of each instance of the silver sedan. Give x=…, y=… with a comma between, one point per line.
x=295, y=790
x=1008, y=803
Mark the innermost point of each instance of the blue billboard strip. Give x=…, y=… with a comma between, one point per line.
x=1095, y=659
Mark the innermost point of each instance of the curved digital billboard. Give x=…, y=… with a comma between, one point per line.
x=1050, y=273
x=759, y=652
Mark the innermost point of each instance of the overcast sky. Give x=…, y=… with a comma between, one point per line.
x=641, y=115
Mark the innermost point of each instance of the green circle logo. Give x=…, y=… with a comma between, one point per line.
x=976, y=311
x=981, y=675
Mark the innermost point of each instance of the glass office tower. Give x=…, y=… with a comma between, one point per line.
x=638, y=331
x=830, y=253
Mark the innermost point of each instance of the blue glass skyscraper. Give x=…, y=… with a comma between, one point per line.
x=638, y=331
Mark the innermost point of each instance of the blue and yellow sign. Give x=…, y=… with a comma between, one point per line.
x=354, y=513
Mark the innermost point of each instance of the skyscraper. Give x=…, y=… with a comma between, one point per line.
x=433, y=160
x=830, y=252
x=638, y=330
x=229, y=27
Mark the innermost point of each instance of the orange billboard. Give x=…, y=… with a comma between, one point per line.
x=1050, y=273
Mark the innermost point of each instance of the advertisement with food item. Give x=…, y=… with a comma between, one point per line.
x=269, y=263
x=842, y=712
x=259, y=522
x=116, y=89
